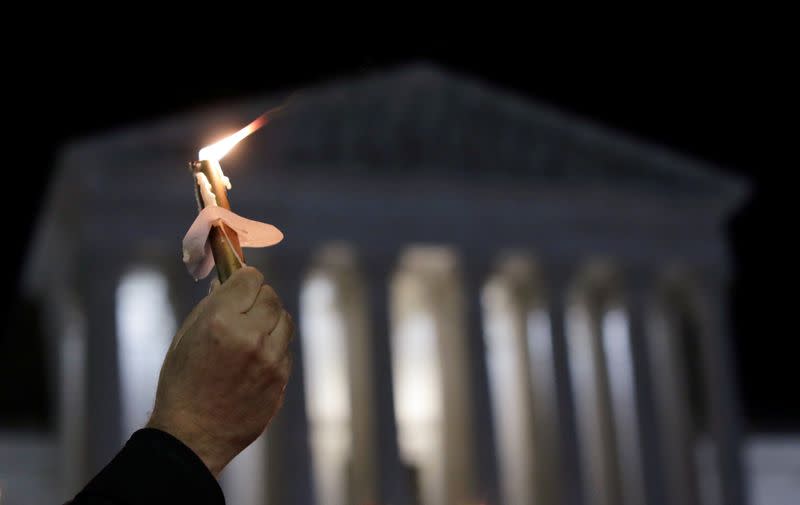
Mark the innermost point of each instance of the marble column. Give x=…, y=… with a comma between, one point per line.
x=67, y=325
x=725, y=415
x=635, y=420
x=394, y=479
x=561, y=443
x=364, y=478
x=288, y=455
x=592, y=392
x=486, y=490
x=341, y=378
x=464, y=382
x=98, y=278
x=506, y=304
x=548, y=456
x=673, y=417
x=432, y=359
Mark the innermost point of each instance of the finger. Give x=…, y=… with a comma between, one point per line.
x=266, y=309
x=239, y=292
x=213, y=285
x=276, y=343
x=283, y=370
x=277, y=393
x=266, y=297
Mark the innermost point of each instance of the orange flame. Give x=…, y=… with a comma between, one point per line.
x=216, y=151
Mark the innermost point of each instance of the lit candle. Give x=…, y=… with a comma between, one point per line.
x=223, y=234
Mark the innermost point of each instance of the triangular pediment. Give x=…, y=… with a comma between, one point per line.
x=422, y=118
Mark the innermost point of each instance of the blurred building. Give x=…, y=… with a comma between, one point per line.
x=498, y=303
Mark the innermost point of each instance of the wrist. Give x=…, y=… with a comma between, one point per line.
x=194, y=437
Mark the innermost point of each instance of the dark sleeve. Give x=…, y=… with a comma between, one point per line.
x=153, y=468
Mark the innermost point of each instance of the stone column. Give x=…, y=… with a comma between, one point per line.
x=560, y=444
x=464, y=382
x=345, y=443
x=289, y=478
x=725, y=415
x=540, y=348
x=672, y=413
x=506, y=303
x=437, y=398
x=98, y=278
x=486, y=490
x=394, y=479
x=636, y=422
x=592, y=392
x=364, y=468
x=66, y=323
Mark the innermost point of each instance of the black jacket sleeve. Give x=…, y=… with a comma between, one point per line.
x=153, y=468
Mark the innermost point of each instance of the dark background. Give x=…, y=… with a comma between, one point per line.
x=716, y=99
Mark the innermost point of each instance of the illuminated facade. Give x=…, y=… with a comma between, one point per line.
x=497, y=303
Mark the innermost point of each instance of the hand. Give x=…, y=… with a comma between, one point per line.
x=225, y=373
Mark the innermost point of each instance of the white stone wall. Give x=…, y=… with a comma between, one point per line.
x=773, y=467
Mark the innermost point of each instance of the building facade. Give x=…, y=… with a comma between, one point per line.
x=498, y=303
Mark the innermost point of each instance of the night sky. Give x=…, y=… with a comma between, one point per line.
x=717, y=102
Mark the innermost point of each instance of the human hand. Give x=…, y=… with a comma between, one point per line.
x=224, y=376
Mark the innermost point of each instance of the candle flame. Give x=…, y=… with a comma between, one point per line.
x=216, y=151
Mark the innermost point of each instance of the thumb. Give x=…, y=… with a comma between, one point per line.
x=239, y=292
x=213, y=285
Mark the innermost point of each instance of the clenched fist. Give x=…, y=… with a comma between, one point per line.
x=225, y=373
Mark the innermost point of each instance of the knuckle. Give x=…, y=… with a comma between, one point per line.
x=271, y=359
x=277, y=393
x=269, y=292
x=271, y=299
x=254, y=274
x=278, y=369
x=250, y=345
x=267, y=323
x=216, y=325
x=268, y=350
x=271, y=320
x=291, y=324
x=285, y=373
x=274, y=309
x=286, y=368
